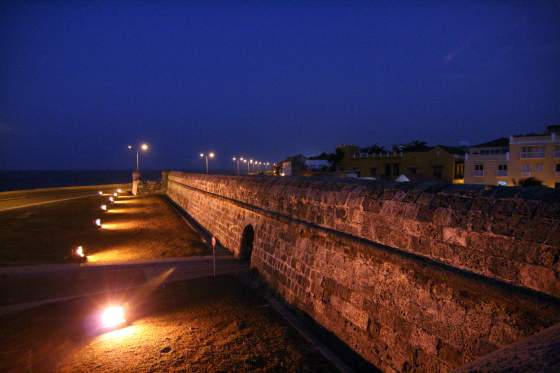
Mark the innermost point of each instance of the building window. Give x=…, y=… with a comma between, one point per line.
x=387, y=169
x=459, y=170
x=373, y=171
x=396, y=170
x=526, y=170
x=491, y=151
x=502, y=170
x=539, y=167
x=557, y=151
x=478, y=170
x=532, y=152
x=557, y=169
x=438, y=172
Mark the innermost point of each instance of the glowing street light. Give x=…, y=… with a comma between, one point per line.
x=100, y=192
x=143, y=147
x=206, y=156
x=119, y=190
x=113, y=316
x=104, y=207
x=80, y=252
x=237, y=160
x=98, y=222
x=111, y=199
x=115, y=194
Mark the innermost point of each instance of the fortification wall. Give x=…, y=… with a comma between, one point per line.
x=410, y=276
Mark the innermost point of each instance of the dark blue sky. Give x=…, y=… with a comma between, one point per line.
x=81, y=80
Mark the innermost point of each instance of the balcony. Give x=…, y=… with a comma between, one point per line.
x=532, y=155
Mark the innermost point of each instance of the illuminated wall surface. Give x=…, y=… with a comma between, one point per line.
x=408, y=275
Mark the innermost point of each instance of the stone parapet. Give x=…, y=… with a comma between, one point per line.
x=413, y=277
x=509, y=234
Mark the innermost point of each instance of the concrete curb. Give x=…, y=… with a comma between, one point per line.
x=37, y=285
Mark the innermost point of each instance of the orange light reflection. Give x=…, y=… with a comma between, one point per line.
x=120, y=226
x=130, y=210
x=124, y=202
x=117, y=335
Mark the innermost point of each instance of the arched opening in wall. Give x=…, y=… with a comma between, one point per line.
x=247, y=239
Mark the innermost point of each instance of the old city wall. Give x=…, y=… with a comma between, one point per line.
x=410, y=276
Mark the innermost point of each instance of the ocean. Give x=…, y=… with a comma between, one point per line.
x=17, y=180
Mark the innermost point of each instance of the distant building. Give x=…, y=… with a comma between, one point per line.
x=488, y=163
x=286, y=168
x=536, y=155
x=301, y=166
x=507, y=161
x=429, y=163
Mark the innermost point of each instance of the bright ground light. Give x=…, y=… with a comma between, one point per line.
x=112, y=316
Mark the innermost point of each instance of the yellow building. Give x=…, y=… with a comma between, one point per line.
x=536, y=155
x=488, y=163
x=430, y=163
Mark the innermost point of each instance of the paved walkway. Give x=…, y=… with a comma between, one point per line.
x=30, y=286
x=34, y=197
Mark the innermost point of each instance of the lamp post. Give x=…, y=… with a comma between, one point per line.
x=143, y=147
x=206, y=156
x=237, y=160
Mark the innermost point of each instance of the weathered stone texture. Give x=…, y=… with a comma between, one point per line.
x=340, y=251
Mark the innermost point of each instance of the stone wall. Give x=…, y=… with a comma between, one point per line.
x=410, y=276
x=145, y=187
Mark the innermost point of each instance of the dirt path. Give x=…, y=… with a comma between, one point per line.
x=134, y=228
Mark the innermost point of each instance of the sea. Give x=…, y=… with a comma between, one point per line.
x=19, y=180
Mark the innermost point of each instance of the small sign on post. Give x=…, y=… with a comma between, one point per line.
x=213, y=242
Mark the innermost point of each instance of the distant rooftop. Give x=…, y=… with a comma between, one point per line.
x=549, y=129
x=502, y=142
x=453, y=149
x=427, y=148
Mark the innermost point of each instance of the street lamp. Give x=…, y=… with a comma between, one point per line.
x=143, y=147
x=206, y=156
x=237, y=160
x=112, y=317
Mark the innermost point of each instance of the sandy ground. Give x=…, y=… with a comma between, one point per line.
x=196, y=326
x=133, y=228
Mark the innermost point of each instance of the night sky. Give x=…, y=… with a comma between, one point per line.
x=79, y=81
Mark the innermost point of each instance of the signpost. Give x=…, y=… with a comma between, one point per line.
x=213, y=242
